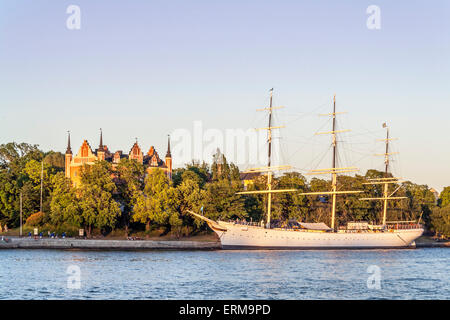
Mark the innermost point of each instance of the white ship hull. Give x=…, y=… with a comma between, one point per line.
x=238, y=236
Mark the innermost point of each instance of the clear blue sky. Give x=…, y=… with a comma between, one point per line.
x=144, y=68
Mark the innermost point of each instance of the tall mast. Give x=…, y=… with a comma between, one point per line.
x=386, y=155
x=269, y=169
x=333, y=170
x=269, y=174
x=21, y=219
x=386, y=162
x=386, y=180
x=42, y=179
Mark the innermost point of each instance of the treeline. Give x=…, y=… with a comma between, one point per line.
x=122, y=199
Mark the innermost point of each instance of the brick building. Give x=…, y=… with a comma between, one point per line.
x=85, y=155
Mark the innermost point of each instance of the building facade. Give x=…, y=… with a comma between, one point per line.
x=86, y=156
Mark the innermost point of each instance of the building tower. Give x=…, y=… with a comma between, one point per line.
x=101, y=149
x=136, y=153
x=68, y=157
x=169, y=159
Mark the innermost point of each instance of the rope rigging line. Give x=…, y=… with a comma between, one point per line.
x=310, y=138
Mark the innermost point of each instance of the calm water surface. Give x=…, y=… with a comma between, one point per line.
x=405, y=274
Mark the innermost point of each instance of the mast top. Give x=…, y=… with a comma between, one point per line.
x=334, y=170
x=386, y=180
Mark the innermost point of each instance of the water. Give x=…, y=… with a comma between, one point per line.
x=405, y=274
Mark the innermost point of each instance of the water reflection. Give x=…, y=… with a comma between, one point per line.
x=310, y=274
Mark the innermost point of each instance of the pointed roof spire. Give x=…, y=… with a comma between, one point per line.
x=69, y=150
x=168, y=154
x=100, y=148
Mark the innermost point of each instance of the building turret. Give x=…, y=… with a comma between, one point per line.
x=101, y=148
x=68, y=157
x=136, y=153
x=169, y=159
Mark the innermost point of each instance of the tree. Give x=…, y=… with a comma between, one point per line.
x=222, y=202
x=55, y=160
x=349, y=207
x=254, y=204
x=8, y=196
x=64, y=206
x=154, y=204
x=14, y=180
x=220, y=168
x=420, y=202
x=32, y=173
x=15, y=155
x=290, y=205
x=188, y=196
x=440, y=219
x=99, y=209
x=129, y=181
x=444, y=197
x=200, y=170
x=320, y=205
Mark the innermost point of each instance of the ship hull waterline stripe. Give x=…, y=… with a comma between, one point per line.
x=243, y=247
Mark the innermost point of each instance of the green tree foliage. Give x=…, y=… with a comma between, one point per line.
x=64, y=206
x=99, y=209
x=129, y=181
x=188, y=196
x=114, y=197
x=319, y=205
x=155, y=203
x=17, y=175
x=440, y=215
x=220, y=169
x=9, y=190
x=200, y=170
x=32, y=182
x=291, y=205
x=440, y=218
x=254, y=204
x=15, y=155
x=55, y=160
x=444, y=197
x=349, y=207
x=420, y=203
x=222, y=202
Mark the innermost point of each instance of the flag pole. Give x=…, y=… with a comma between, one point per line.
x=42, y=178
x=20, y=213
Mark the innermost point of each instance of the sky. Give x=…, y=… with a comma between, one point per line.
x=146, y=69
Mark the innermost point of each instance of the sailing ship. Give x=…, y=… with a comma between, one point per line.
x=355, y=235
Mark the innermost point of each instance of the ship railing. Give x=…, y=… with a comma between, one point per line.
x=245, y=223
x=403, y=225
